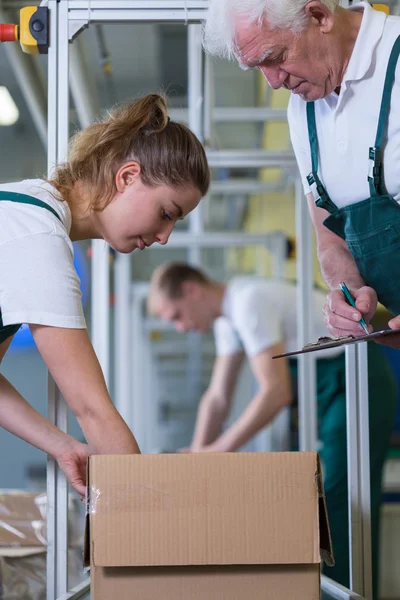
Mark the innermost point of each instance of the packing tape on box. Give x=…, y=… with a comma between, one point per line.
x=91, y=500
x=182, y=494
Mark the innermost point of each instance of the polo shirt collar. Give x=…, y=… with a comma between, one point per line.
x=370, y=33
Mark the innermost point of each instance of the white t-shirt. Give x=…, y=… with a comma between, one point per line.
x=38, y=281
x=259, y=313
x=347, y=123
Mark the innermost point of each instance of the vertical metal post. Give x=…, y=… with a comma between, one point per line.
x=196, y=219
x=358, y=465
x=365, y=472
x=305, y=331
x=353, y=480
x=196, y=113
x=209, y=99
x=100, y=304
x=123, y=333
x=143, y=409
x=57, y=487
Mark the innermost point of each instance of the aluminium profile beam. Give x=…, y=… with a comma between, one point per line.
x=80, y=592
x=334, y=591
x=247, y=159
x=234, y=187
x=151, y=11
x=57, y=487
x=307, y=378
x=210, y=239
x=243, y=114
x=196, y=124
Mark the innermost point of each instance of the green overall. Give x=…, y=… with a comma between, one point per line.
x=331, y=404
x=371, y=229
x=7, y=331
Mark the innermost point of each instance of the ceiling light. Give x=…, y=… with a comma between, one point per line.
x=8, y=109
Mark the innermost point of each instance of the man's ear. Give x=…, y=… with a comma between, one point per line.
x=321, y=15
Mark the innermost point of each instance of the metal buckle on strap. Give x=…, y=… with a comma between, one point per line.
x=375, y=166
x=317, y=188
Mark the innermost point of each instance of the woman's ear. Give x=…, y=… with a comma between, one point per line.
x=126, y=175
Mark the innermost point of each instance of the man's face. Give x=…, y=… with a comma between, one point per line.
x=301, y=63
x=188, y=312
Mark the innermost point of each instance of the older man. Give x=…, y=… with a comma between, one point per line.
x=344, y=117
x=257, y=317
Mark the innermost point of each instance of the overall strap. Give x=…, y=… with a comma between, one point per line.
x=25, y=199
x=321, y=196
x=375, y=153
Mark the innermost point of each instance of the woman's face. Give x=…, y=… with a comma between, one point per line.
x=140, y=215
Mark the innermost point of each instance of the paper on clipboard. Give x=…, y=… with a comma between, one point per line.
x=331, y=342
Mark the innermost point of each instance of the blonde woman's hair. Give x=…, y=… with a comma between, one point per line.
x=168, y=152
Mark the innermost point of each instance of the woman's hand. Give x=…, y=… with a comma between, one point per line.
x=342, y=319
x=72, y=461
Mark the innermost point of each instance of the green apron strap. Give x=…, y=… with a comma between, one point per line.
x=24, y=199
x=322, y=199
x=375, y=153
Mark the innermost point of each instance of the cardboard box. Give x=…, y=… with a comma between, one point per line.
x=206, y=527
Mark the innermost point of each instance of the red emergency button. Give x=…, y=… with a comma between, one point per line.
x=8, y=33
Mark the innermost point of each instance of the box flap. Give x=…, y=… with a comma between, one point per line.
x=86, y=535
x=204, y=509
x=324, y=531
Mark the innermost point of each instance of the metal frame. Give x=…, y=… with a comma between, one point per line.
x=67, y=18
x=337, y=591
x=307, y=379
x=57, y=489
x=243, y=114
x=358, y=467
x=77, y=593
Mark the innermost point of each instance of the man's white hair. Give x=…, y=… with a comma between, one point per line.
x=219, y=28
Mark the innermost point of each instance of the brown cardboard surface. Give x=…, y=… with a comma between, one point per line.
x=22, y=523
x=205, y=509
x=288, y=582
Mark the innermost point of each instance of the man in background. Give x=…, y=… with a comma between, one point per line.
x=257, y=318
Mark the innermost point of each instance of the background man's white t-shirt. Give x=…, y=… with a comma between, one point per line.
x=38, y=281
x=259, y=313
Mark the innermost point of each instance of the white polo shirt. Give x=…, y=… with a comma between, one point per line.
x=259, y=313
x=347, y=123
x=38, y=281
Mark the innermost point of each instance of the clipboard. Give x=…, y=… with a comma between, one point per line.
x=324, y=343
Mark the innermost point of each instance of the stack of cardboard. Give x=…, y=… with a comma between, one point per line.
x=23, y=546
x=206, y=527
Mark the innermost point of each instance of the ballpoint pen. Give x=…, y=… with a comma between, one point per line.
x=350, y=301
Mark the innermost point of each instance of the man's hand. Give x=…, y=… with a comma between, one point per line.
x=208, y=448
x=72, y=461
x=342, y=319
x=187, y=450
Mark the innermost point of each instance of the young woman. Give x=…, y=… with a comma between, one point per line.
x=127, y=181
